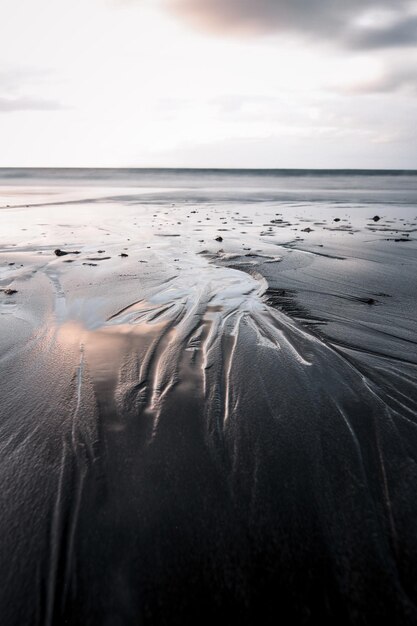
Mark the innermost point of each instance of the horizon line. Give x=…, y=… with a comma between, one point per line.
x=212, y=169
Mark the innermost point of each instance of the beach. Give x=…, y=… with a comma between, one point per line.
x=208, y=397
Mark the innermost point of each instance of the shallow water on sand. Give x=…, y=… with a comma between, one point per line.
x=208, y=405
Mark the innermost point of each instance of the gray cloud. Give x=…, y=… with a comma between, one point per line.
x=13, y=78
x=10, y=105
x=17, y=86
x=401, y=32
x=394, y=23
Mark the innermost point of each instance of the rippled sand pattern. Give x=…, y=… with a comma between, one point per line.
x=208, y=406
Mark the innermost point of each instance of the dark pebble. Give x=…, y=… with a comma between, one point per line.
x=59, y=252
x=9, y=292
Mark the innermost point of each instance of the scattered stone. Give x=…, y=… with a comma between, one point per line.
x=91, y=264
x=376, y=218
x=336, y=219
x=307, y=230
x=219, y=238
x=123, y=254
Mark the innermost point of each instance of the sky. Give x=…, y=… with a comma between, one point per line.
x=208, y=83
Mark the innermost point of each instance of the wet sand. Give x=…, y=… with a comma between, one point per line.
x=208, y=405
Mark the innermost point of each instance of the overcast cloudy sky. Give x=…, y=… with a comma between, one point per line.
x=215, y=83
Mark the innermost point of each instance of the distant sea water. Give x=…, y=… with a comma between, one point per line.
x=369, y=186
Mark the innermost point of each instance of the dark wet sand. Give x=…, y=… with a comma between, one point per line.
x=197, y=431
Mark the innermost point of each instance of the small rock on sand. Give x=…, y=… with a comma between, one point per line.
x=9, y=292
x=59, y=252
